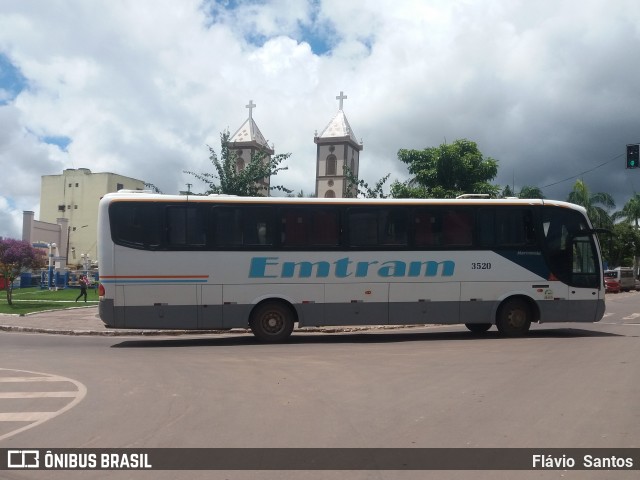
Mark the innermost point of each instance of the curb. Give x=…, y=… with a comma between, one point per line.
x=110, y=333
x=151, y=333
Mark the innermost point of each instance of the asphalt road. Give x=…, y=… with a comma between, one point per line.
x=563, y=386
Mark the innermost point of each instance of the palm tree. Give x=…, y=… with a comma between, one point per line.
x=530, y=192
x=599, y=216
x=630, y=212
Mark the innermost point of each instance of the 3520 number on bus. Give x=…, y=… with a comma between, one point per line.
x=481, y=266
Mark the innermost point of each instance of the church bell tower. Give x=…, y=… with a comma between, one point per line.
x=337, y=148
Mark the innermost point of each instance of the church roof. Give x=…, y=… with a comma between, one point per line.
x=338, y=127
x=249, y=131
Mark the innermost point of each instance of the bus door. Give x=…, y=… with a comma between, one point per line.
x=574, y=267
x=584, y=288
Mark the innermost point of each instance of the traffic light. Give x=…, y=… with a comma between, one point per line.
x=633, y=156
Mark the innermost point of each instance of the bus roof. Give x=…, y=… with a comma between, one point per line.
x=146, y=195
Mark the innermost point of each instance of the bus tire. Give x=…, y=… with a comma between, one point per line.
x=272, y=322
x=478, y=327
x=514, y=318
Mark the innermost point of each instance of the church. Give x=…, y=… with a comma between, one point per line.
x=336, y=148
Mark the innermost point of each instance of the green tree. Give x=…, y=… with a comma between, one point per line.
x=362, y=188
x=530, y=192
x=526, y=192
x=630, y=213
x=247, y=182
x=152, y=187
x=16, y=256
x=409, y=189
x=447, y=171
x=599, y=215
x=507, y=192
x=300, y=194
x=621, y=248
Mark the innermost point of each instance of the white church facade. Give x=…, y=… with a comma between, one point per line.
x=337, y=151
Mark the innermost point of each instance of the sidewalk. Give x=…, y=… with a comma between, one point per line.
x=81, y=321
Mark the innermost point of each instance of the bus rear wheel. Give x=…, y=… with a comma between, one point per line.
x=514, y=318
x=272, y=322
x=478, y=327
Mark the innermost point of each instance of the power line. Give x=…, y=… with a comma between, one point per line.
x=586, y=171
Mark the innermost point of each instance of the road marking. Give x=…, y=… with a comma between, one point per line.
x=51, y=378
x=632, y=316
x=38, y=394
x=36, y=418
x=26, y=416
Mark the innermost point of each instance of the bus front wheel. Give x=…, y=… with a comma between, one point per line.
x=514, y=318
x=272, y=322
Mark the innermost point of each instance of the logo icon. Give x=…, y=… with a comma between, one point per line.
x=23, y=459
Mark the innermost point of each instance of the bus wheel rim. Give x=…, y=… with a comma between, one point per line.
x=517, y=318
x=273, y=322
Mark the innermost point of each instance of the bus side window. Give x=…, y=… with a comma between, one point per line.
x=515, y=227
x=393, y=226
x=309, y=227
x=185, y=227
x=486, y=227
x=135, y=225
x=258, y=227
x=227, y=226
x=427, y=228
x=363, y=227
x=293, y=227
x=458, y=228
x=325, y=227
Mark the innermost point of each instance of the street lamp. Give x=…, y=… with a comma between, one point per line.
x=85, y=261
x=52, y=247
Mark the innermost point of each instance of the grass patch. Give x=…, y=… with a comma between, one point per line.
x=31, y=300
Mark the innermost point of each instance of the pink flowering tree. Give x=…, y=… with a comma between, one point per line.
x=16, y=256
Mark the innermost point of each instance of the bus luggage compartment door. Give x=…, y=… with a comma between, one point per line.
x=418, y=303
x=357, y=304
x=161, y=306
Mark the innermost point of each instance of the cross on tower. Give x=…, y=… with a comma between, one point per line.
x=251, y=106
x=341, y=97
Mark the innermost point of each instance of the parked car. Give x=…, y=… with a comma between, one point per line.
x=612, y=285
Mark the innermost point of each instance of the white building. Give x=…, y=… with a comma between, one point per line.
x=46, y=234
x=337, y=148
x=74, y=196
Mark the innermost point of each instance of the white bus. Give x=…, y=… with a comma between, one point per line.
x=624, y=276
x=222, y=262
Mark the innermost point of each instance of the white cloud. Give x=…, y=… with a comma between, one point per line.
x=140, y=88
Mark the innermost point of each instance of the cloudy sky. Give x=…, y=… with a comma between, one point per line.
x=549, y=88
